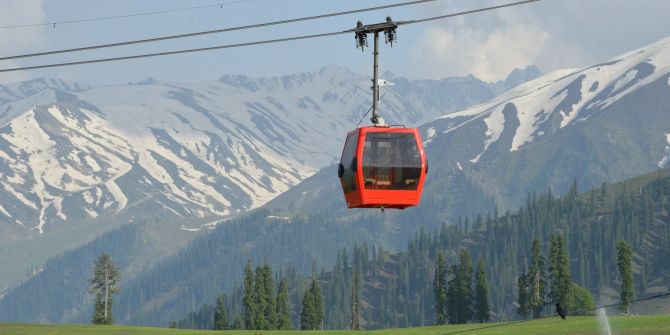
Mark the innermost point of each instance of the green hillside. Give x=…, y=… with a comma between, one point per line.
x=657, y=325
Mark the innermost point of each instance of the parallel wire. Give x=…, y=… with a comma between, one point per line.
x=175, y=52
x=441, y=17
x=579, y=312
x=218, y=31
x=103, y=18
x=229, y=46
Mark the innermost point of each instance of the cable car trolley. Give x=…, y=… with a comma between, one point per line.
x=381, y=166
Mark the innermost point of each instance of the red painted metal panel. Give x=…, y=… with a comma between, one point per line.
x=382, y=192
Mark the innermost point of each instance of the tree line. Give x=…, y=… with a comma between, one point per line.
x=553, y=249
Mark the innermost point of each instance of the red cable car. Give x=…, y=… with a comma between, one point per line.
x=383, y=167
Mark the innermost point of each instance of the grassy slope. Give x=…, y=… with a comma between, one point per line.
x=656, y=324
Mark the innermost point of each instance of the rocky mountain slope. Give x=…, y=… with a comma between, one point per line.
x=76, y=160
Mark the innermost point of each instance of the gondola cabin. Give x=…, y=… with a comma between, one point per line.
x=383, y=167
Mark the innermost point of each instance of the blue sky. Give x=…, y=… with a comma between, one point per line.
x=552, y=34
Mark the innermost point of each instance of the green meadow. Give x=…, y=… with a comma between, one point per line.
x=655, y=324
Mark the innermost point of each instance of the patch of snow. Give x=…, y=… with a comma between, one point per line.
x=4, y=211
x=117, y=193
x=91, y=213
x=430, y=133
x=19, y=196
x=279, y=218
x=665, y=158
x=623, y=81
x=189, y=229
x=460, y=167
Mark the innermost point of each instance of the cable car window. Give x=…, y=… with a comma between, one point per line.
x=391, y=161
x=347, y=161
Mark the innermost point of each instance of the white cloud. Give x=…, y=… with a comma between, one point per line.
x=549, y=34
x=14, y=41
x=489, y=56
x=488, y=45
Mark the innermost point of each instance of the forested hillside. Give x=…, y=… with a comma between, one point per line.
x=397, y=289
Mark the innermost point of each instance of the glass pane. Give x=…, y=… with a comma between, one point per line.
x=391, y=161
x=348, y=154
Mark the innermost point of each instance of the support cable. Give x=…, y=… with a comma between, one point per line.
x=103, y=18
x=216, y=31
x=245, y=44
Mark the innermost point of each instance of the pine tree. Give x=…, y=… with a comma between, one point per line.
x=307, y=312
x=465, y=294
x=104, y=284
x=355, y=302
x=481, y=305
x=249, y=299
x=318, y=304
x=440, y=289
x=283, y=310
x=260, y=298
x=561, y=280
x=523, y=298
x=624, y=262
x=452, y=295
x=536, y=275
x=221, y=314
x=270, y=306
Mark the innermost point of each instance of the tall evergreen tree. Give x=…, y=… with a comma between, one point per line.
x=104, y=284
x=624, y=262
x=221, y=314
x=283, y=309
x=452, y=294
x=318, y=303
x=355, y=302
x=465, y=294
x=270, y=302
x=536, y=276
x=440, y=289
x=481, y=305
x=260, y=298
x=561, y=280
x=523, y=299
x=249, y=299
x=307, y=313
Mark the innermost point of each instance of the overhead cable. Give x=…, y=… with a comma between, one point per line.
x=217, y=31
x=245, y=44
x=103, y=18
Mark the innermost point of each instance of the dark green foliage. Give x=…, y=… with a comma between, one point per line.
x=265, y=298
x=559, y=270
x=307, y=319
x=251, y=309
x=203, y=318
x=459, y=291
x=440, y=289
x=311, y=314
x=523, y=298
x=537, y=282
x=64, y=280
x=283, y=309
x=624, y=263
x=221, y=314
x=315, y=292
x=356, y=301
x=481, y=303
x=104, y=284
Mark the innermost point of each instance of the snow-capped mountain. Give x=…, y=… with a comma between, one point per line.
x=69, y=152
x=605, y=122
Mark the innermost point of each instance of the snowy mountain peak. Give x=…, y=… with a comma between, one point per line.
x=554, y=101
